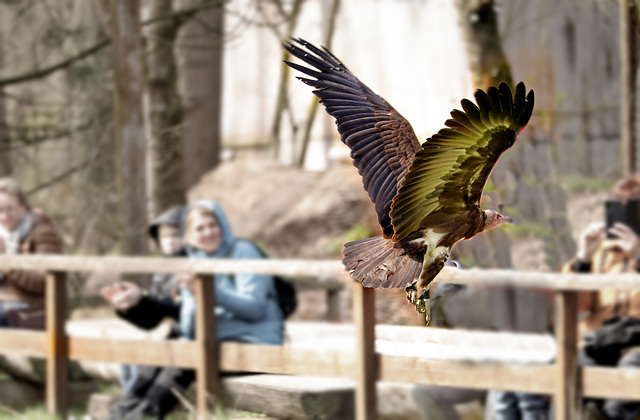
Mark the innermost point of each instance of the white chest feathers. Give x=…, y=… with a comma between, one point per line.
x=429, y=239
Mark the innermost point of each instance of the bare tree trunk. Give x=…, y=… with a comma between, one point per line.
x=328, y=37
x=6, y=168
x=129, y=130
x=200, y=54
x=165, y=109
x=281, y=101
x=628, y=66
x=489, y=66
x=479, y=22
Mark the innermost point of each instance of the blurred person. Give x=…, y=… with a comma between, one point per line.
x=23, y=230
x=165, y=233
x=246, y=310
x=609, y=320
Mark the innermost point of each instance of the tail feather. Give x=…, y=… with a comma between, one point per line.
x=406, y=271
x=375, y=262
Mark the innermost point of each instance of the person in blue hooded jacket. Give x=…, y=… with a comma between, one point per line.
x=247, y=310
x=247, y=307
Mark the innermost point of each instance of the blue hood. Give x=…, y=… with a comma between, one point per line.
x=228, y=238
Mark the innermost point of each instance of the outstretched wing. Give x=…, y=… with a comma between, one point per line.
x=382, y=142
x=450, y=171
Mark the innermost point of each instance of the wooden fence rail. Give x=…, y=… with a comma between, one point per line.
x=562, y=379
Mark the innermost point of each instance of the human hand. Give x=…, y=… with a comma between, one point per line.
x=626, y=239
x=122, y=296
x=589, y=241
x=187, y=281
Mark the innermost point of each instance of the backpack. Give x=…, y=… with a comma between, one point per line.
x=285, y=290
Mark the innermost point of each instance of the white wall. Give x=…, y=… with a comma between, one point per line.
x=409, y=51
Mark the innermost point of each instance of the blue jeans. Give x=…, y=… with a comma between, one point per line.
x=4, y=306
x=128, y=375
x=519, y=406
x=187, y=314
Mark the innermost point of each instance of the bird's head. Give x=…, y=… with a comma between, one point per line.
x=493, y=219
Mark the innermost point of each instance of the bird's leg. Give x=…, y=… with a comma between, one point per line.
x=412, y=292
x=422, y=303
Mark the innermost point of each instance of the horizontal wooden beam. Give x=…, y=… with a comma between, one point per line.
x=597, y=382
x=495, y=277
x=480, y=375
x=539, y=280
x=286, y=360
x=176, y=353
x=603, y=382
x=125, y=265
x=23, y=342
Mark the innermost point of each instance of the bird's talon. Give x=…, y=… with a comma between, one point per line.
x=411, y=288
x=412, y=293
x=423, y=305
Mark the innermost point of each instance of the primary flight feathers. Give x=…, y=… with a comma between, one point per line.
x=427, y=197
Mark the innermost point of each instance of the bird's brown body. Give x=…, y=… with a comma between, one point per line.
x=426, y=196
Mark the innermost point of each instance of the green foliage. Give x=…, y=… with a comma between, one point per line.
x=511, y=211
x=489, y=187
x=585, y=184
x=531, y=181
x=357, y=231
x=529, y=229
x=468, y=261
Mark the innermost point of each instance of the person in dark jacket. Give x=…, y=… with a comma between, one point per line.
x=246, y=310
x=165, y=233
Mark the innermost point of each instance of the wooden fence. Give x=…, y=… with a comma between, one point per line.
x=564, y=380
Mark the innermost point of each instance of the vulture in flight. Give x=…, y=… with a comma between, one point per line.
x=427, y=197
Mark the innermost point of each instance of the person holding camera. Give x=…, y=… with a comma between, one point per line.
x=609, y=320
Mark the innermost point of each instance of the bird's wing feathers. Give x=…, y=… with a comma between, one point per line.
x=382, y=142
x=450, y=171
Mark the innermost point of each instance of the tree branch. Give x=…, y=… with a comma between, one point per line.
x=38, y=74
x=61, y=176
x=180, y=17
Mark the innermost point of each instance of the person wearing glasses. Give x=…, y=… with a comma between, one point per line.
x=23, y=230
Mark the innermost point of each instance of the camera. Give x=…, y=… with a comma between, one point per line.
x=617, y=211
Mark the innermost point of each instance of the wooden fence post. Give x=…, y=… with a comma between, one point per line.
x=568, y=394
x=207, y=370
x=57, y=348
x=366, y=402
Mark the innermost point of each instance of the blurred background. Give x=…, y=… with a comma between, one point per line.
x=113, y=110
